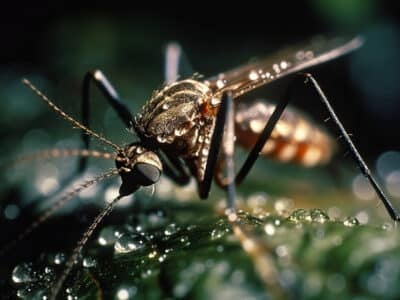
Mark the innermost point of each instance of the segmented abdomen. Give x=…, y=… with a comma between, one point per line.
x=294, y=139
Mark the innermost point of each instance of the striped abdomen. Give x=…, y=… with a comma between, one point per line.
x=294, y=139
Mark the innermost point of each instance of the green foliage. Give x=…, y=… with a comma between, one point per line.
x=185, y=251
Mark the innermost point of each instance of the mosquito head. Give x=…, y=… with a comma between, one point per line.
x=139, y=167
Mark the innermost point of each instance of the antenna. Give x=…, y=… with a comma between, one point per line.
x=67, y=117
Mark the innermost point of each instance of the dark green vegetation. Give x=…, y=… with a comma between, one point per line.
x=184, y=251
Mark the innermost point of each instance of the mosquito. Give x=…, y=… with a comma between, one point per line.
x=188, y=129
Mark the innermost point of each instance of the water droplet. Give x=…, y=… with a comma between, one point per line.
x=284, y=64
x=23, y=273
x=185, y=240
x=319, y=216
x=218, y=233
x=299, y=215
x=28, y=293
x=146, y=273
x=107, y=236
x=276, y=68
x=220, y=84
x=170, y=229
x=129, y=242
x=59, y=258
x=165, y=106
x=48, y=275
x=126, y=292
x=168, y=250
x=253, y=75
x=72, y=297
x=269, y=229
x=351, y=222
x=89, y=262
x=387, y=226
x=122, y=294
x=139, y=228
x=162, y=257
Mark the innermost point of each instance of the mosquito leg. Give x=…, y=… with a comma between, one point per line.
x=228, y=148
x=112, y=97
x=258, y=250
x=176, y=63
x=205, y=185
x=263, y=138
x=174, y=169
x=266, y=133
x=353, y=150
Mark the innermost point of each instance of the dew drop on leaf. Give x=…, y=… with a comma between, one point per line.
x=300, y=215
x=218, y=233
x=129, y=242
x=59, y=258
x=23, y=273
x=126, y=292
x=89, y=262
x=170, y=229
x=351, y=222
x=319, y=216
x=185, y=240
x=107, y=236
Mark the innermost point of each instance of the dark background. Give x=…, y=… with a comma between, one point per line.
x=58, y=43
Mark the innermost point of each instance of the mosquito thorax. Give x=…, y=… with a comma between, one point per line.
x=138, y=167
x=179, y=119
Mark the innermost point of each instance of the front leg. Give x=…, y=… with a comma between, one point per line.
x=112, y=97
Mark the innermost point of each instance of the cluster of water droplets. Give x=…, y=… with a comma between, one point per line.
x=302, y=216
x=32, y=282
x=143, y=233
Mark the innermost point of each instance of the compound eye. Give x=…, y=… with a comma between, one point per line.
x=147, y=174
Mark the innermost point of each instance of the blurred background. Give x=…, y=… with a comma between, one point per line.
x=54, y=45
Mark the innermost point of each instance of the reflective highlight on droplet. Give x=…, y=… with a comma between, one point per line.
x=129, y=242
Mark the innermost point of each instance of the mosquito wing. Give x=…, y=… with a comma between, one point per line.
x=243, y=79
